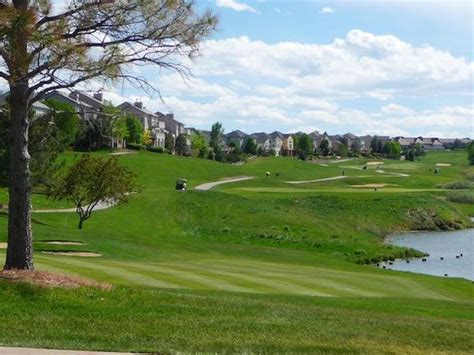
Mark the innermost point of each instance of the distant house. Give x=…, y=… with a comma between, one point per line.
x=276, y=142
x=432, y=144
x=237, y=137
x=38, y=107
x=83, y=108
x=171, y=125
x=149, y=120
x=288, y=147
x=263, y=141
x=365, y=142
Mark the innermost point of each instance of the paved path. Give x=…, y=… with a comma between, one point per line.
x=30, y=351
x=318, y=180
x=102, y=205
x=209, y=185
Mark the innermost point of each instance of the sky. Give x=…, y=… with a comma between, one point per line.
x=398, y=68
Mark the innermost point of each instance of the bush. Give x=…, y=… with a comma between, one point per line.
x=135, y=146
x=461, y=197
x=458, y=185
x=155, y=149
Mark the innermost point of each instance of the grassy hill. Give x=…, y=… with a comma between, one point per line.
x=256, y=265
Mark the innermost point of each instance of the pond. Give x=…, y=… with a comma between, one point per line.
x=451, y=253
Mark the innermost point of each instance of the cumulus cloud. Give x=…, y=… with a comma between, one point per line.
x=326, y=10
x=235, y=5
x=254, y=85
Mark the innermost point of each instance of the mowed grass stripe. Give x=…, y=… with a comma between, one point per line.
x=254, y=282
x=189, y=277
x=109, y=273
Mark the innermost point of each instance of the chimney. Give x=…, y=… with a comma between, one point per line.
x=139, y=104
x=99, y=96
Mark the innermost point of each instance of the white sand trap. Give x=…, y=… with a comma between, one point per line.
x=323, y=164
x=380, y=171
x=64, y=243
x=73, y=253
x=443, y=164
x=3, y=245
x=123, y=153
x=375, y=163
x=372, y=186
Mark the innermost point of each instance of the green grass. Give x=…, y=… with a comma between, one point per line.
x=273, y=262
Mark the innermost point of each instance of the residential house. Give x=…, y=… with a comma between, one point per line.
x=276, y=142
x=263, y=141
x=288, y=147
x=365, y=142
x=83, y=109
x=432, y=144
x=38, y=107
x=237, y=137
x=171, y=125
x=149, y=120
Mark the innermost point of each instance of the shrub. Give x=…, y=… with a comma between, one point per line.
x=155, y=149
x=135, y=146
x=461, y=197
x=458, y=185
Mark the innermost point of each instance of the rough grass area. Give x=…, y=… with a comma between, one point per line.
x=143, y=320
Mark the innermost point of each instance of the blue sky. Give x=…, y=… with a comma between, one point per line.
x=368, y=67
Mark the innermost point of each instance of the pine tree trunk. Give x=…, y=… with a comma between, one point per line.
x=20, y=242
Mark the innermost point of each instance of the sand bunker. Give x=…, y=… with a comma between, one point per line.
x=442, y=164
x=63, y=243
x=123, y=153
x=372, y=186
x=3, y=245
x=84, y=254
x=375, y=163
x=323, y=164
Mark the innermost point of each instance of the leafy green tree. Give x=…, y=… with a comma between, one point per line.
x=49, y=135
x=374, y=144
x=92, y=181
x=216, y=141
x=356, y=146
x=324, y=147
x=199, y=146
x=343, y=151
x=392, y=150
x=134, y=129
x=169, y=142
x=418, y=150
x=50, y=45
x=410, y=154
x=305, y=145
x=249, y=146
x=470, y=153
x=181, y=144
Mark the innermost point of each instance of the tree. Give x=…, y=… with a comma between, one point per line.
x=392, y=150
x=410, y=154
x=134, y=128
x=418, y=150
x=49, y=135
x=91, y=181
x=147, y=139
x=169, y=142
x=199, y=145
x=470, y=153
x=374, y=144
x=249, y=146
x=216, y=140
x=49, y=45
x=305, y=146
x=324, y=147
x=181, y=144
x=343, y=150
x=356, y=146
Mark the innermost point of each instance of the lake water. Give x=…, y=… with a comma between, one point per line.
x=446, y=245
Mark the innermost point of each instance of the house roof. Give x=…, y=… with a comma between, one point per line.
x=129, y=105
x=260, y=137
x=236, y=134
x=276, y=134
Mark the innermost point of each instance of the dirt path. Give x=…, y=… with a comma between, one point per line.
x=318, y=180
x=209, y=185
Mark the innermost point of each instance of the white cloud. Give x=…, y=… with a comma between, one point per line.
x=326, y=10
x=235, y=5
x=394, y=109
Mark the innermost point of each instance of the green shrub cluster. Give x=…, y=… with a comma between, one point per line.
x=458, y=185
x=136, y=146
x=461, y=197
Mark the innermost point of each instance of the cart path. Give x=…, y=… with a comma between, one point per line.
x=209, y=185
x=318, y=180
x=102, y=205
